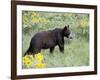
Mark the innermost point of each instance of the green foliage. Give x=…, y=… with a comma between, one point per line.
x=76, y=51
x=37, y=21
x=74, y=55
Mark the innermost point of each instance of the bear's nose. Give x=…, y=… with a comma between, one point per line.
x=72, y=35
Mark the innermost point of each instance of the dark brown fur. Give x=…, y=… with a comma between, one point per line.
x=48, y=39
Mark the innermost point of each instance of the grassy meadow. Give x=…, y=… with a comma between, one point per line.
x=76, y=50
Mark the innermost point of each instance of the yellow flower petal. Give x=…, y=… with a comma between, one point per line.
x=40, y=65
x=28, y=63
x=25, y=59
x=39, y=57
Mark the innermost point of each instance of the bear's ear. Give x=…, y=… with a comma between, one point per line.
x=66, y=27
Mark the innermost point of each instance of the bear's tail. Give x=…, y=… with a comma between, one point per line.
x=29, y=50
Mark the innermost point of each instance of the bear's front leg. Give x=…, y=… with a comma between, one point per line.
x=61, y=48
x=51, y=49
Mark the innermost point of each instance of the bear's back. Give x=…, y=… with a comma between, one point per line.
x=45, y=36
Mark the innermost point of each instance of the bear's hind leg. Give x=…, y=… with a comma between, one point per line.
x=28, y=52
x=36, y=51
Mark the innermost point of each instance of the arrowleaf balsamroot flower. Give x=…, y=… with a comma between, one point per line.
x=40, y=65
x=39, y=60
x=39, y=57
x=28, y=60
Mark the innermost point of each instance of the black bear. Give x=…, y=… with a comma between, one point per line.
x=48, y=39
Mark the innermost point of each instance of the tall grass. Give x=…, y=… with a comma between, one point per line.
x=76, y=53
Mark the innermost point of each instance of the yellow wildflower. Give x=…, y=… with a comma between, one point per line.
x=44, y=20
x=40, y=65
x=68, y=14
x=28, y=63
x=35, y=20
x=34, y=14
x=25, y=19
x=83, y=23
x=25, y=59
x=39, y=57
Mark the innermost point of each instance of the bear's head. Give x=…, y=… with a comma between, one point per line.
x=67, y=32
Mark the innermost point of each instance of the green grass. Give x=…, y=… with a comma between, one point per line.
x=76, y=53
